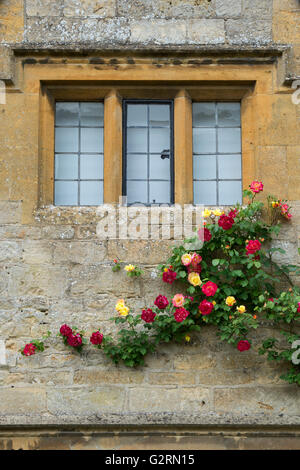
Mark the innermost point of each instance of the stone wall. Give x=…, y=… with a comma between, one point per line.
x=54, y=269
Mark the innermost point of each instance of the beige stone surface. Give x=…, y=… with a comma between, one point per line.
x=54, y=268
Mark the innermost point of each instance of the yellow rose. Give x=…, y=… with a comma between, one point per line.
x=241, y=309
x=214, y=302
x=124, y=311
x=120, y=304
x=217, y=212
x=129, y=267
x=206, y=213
x=230, y=301
x=187, y=338
x=194, y=279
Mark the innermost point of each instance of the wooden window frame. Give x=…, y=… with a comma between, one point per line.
x=182, y=94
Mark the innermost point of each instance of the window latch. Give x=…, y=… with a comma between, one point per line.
x=165, y=154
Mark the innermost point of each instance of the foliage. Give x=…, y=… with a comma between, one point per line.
x=231, y=282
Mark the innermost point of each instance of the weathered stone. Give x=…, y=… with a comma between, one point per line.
x=249, y=31
x=261, y=9
x=206, y=31
x=203, y=360
x=229, y=9
x=22, y=401
x=283, y=399
x=10, y=212
x=158, y=32
x=53, y=232
x=10, y=252
x=79, y=252
x=44, y=8
x=98, y=376
x=37, y=252
x=89, y=8
x=78, y=401
x=6, y=64
x=168, y=400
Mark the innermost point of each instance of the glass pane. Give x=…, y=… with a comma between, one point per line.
x=66, y=139
x=159, y=140
x=205, y=167
x=229, y=114
x=91, y=140
x=67, y=114
x=159, y=168
x=229, y=140
x=137, y=192
x=159, y=115
x=159, y=192
x=230, y=166
x=204, y=140
x=137, y=167
x=66, y=166
x=91, y=114
x=91, y=167
x=205, y=192
x=204, y=114
x=137, y=115
x=91, y=193
x=230, y=192
x=137, y=140
x=66, y=193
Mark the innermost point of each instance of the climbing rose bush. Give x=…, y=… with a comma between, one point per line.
x=232, y=282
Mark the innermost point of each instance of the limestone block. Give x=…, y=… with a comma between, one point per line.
x=53, y=232
x=79, y=252
x=158, y=32
x=10, y=212
x=22, y=401
x=270, y=400
x=209, y=31
x=44, y=7
x=167, y=399
x=229, y=9
x=10, y=252
x=37, y=252
x=80, y=402
x=249, y=31
x=90, y=8
x=261, y=9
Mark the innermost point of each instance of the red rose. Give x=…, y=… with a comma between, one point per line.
x=206, y=307
x=148, y=315
x=233, y=213
x=29, y=349
x=243, y=345
x=181, y=314
x=96, y=338
x=65, y=330
x=209, y=288
x=161, y=302
x=252, y=247
x=226, y=222
x=298, y=309
x=75, y=340
x=169, y=276
x=204, y=235
x=194, y=269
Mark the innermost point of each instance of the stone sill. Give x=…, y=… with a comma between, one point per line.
x=156, y=419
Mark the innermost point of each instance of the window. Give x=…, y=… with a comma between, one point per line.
x=79, y=130
x=217, y=160
x=154, y=145
x=148, y=151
